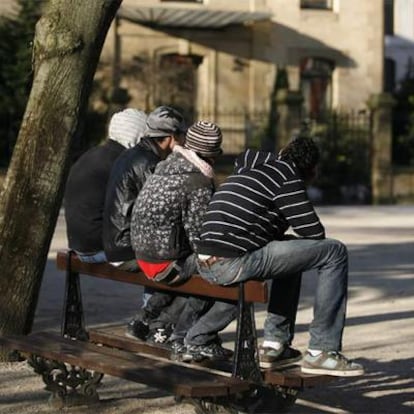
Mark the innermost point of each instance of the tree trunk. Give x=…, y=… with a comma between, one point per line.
x=67, y=44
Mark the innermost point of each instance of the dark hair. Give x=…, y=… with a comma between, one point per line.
x=303, y=152
x=159, y=139
x=208, y=160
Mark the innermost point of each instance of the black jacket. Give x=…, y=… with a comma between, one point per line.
x=85, y=195
x=128, y=175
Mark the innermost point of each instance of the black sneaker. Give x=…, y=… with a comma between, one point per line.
x=213, y=351
x=137, y=329
x=283, y=357
x=160, y=336
x=179, y=351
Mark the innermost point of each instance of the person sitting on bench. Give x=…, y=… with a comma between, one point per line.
x=166, y=220
x=165, y=127
x=86, y=185
x=243, y=237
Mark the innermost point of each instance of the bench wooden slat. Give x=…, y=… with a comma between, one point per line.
x=288, y=377
x=100, y=336
x=255, y=291
x=167, y=375
x=294, y=377
x=117, y=340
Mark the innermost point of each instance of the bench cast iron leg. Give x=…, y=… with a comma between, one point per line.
x=73, y=324
x=245, y=363
x=262, y=398
x=69, y=385
x=246, y=358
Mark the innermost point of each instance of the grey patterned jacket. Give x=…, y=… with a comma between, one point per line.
x=169, y=210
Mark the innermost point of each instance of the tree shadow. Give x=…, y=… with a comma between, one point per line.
x=379, y=273
x=384, y=270
x=383, y=389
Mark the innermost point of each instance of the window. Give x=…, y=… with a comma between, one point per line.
x=316, y=85
x=316, y=4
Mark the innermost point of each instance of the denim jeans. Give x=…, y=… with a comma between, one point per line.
x=198, y=320
x=202, y=319
x=164, y=309
x=129, y=265
x=98, y=257
x=283, y=262
x=146, y=296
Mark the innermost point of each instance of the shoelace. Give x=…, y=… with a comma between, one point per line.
x=339, y=356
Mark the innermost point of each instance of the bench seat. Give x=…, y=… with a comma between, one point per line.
x=72, y=364
x=254, y=291
x=175, y=378
x=113, y=336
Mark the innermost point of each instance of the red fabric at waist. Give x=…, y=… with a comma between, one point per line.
x=152, y=269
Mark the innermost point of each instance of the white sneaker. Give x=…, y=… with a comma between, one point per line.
x=331, y=363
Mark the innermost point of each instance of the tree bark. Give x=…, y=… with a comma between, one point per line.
x=67, y=44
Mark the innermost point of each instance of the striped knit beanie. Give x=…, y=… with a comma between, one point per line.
x=127, y=127
x=204, y=138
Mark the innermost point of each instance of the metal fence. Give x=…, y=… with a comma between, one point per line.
x=345, y=141
x=240, y=129
x=335, y=127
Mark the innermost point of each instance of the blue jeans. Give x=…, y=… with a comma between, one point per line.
x=283, y=262
x=202, y=319
x=163, y=309
x=128, y=265
x=98, y=257
x=198, y=320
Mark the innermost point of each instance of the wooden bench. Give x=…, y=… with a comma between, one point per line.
x=73, y=363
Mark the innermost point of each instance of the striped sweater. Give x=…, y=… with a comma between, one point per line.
x=255, y=205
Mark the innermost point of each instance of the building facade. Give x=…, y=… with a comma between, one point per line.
x=332, y=50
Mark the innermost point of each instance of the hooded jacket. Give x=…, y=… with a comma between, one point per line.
x=256, y=205
x=128, y=175
x=85, y=196
x=86, y=184
x=169, y=210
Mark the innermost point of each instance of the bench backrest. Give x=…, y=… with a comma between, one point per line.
x=254, y=291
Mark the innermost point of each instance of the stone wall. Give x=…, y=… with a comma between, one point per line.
x=403, y=185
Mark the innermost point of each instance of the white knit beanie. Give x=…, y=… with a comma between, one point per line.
x=127, y=127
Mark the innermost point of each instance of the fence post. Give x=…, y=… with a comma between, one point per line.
x=289, y=108
x=381, y=150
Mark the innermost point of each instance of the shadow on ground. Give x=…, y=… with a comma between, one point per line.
x=380, y=274
x=382, y=390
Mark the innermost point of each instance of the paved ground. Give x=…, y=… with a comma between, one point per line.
x=379, y=333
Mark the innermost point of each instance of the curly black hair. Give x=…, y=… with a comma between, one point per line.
x=302, y=151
